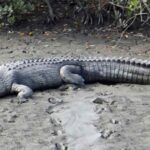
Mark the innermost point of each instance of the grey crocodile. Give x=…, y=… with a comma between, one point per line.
x=25, y=76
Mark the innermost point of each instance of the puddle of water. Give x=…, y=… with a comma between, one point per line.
x=78, y=118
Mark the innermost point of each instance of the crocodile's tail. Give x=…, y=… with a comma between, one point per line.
x=123, y=70
x=130, y=70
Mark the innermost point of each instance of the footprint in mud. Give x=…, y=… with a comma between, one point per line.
x=59, y=138
x=54, y=102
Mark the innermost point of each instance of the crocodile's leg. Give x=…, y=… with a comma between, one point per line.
x=71, y=74
x=23, y=91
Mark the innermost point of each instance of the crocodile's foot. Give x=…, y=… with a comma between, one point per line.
x=70, y=87
x=22, y=100
x=24, y=92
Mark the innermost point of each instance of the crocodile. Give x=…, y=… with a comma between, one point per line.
x=25, y=76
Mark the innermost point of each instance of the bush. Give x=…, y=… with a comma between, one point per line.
x=12, y=11
x=120, y=13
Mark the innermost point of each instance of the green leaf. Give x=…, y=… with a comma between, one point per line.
x=11, y=20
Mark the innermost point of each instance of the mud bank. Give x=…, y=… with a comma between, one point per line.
x=97, y=117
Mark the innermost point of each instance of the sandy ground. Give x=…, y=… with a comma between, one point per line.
x=97, y=117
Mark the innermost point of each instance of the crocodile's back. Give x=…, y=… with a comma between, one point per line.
x=40, y=76
x=39, y=73
x=36, y=73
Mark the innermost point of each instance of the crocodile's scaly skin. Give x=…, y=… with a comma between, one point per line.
x=24, y=76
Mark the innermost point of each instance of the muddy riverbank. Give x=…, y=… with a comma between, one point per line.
x=97, y=117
